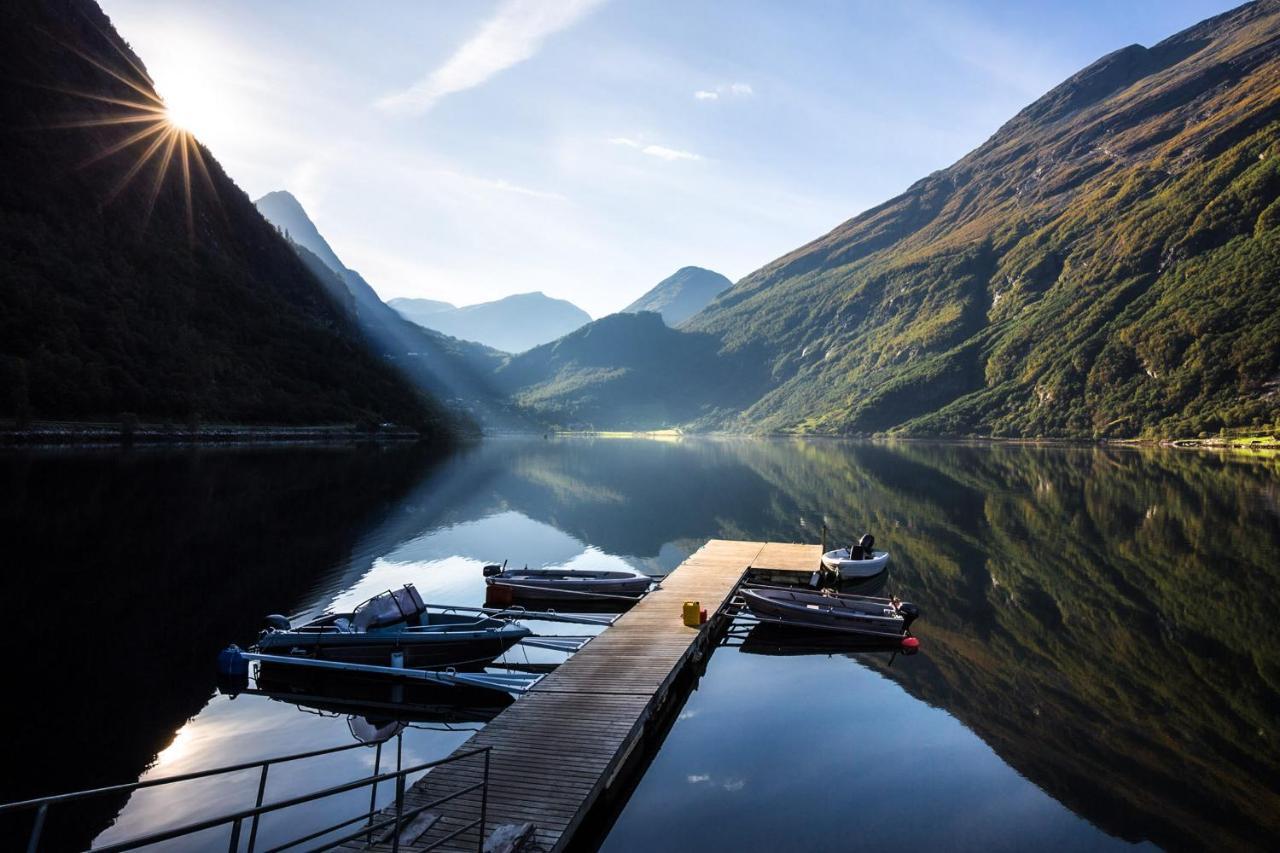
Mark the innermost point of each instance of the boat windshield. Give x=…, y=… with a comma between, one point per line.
x=387, y=608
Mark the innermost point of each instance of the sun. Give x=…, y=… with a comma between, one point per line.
x=191, y=102
x=180, y=117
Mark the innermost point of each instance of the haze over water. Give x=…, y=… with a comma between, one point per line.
x=1097, y=665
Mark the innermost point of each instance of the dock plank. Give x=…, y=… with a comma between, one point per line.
x=557, y=748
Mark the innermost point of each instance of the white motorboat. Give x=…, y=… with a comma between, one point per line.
x=863, y=566
x=857, y=561
x=562, y=584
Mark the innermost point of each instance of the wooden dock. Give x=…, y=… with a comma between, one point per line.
x=559, y=749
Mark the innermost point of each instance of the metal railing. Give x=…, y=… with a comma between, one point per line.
x=388, y=828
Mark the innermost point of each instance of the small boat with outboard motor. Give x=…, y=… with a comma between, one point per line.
x=395, y=628
x=829, y=611
x=564, y=583
x=857, y=561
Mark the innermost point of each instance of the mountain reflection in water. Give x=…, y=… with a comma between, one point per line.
x=1097, y=616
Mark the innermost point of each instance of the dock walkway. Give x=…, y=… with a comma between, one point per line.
x=561, y=746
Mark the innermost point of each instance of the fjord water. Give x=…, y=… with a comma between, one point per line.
x=1098, y=664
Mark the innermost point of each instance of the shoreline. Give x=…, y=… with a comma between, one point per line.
x=105, y=434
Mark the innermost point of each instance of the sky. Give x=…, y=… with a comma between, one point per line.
x=465, y=151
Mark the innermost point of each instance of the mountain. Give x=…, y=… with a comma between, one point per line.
x=138, y=280
x=681, y=295
x=1107, y=264
x=415, y=310
x=617, y=372
x=511, y=324
x=455, y=370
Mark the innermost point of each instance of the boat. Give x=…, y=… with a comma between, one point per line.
x=824, y=610
x=561, y=583
x=395, y=628
x=857, y=561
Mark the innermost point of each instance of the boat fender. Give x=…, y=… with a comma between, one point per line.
x=910, y=645
x=910, y=613
x=231, y=664
x=276, y=622
x=868, y=543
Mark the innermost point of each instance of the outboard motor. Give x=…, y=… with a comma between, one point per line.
x=855, y=552
x=490, y=571
x=276, y=622
x=233, y=671
x=867, y=543
x=909, y=614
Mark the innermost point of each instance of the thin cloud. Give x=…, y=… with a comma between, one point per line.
x=728, y=90
x=662, y=152
x=501, y=185
x=514, y=33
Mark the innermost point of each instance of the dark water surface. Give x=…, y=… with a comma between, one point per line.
x=1099, y=665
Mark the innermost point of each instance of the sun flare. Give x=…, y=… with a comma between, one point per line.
x=160, y=133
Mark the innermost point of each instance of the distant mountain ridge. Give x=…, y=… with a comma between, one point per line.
x=129, y=292
x=412, y=309
x=512, y=324
x=681, y=295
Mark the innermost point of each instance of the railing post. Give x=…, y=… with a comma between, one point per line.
x=234, y=846
x=37, y=828
x=484, y=801
x=373, y=792
x=262, y=790
x=395, y=839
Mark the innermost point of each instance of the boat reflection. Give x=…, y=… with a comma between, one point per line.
x=785, y=641
x=375, y=708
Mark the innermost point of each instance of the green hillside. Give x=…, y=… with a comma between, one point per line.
x=620, y=372
x=135, y=277
x=1107, y=264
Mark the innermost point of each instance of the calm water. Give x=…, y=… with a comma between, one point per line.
x=1098, y=664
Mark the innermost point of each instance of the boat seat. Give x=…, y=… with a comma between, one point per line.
x=343, y=624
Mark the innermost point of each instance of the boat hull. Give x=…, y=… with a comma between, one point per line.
x=838, y=561
x=422, y=652
x=532, y=587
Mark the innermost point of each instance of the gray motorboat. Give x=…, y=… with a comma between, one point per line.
x=395, y=622
x=562, y=583
x=828, y=611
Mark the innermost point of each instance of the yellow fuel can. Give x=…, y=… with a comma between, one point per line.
x=692, y=614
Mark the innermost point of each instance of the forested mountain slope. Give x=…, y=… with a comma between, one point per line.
x=1107, y=264
x=135, y=277
x=629, y=371
x=453, y=370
